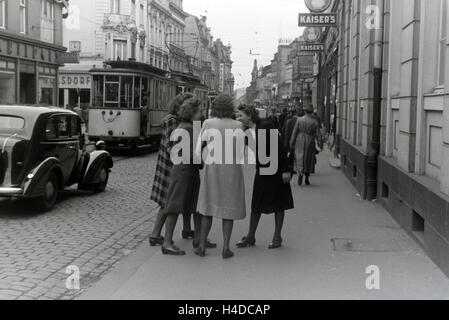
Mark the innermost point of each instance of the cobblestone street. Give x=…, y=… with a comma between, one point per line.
x=92, y=232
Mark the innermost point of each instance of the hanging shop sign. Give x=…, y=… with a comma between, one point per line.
x=310, y=47
x=312, y=34
x=317, y=20
x=305, y=66
x=318, y=6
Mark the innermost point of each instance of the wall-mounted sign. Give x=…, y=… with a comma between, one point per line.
x=74, y=81
x=310, y=47
x=305, y=66
x=317, y=20
x=318, y=6
x=312, y=34
x=68, y=57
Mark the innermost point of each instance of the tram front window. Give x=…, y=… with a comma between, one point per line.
x=111, y=94
x=126, y=94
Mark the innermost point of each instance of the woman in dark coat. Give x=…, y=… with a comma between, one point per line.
x=303, y=142
x=182, y=195
x=163, y=172
x=272, y=193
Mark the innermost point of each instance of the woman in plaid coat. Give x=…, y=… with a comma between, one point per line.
x=163, y=172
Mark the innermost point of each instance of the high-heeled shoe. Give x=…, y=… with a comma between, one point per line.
x=156, y=241
x=307, y=181
x=201, y=252
x=173, y=251
x=300, y=179
x=209, y=245
x=227, y=254
x=246, y=242
x=188, y=234
x=275, y=244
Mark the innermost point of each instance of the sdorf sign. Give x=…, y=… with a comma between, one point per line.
x=74, y=81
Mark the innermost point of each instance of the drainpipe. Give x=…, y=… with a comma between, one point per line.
x=373, y=155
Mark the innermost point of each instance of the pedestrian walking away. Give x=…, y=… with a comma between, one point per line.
x=222, y=192
x=303, y=143
x=272, y=194
x=163, y=171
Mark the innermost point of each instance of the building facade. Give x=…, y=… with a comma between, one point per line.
x=148, y=31
x=208, y=59
x=31, y=51
x=392, y=115
x=100, y=30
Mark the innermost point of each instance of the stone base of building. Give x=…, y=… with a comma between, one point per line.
x=416, y=203
x=354, y=163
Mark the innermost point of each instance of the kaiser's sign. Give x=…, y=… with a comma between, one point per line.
x=317, y=20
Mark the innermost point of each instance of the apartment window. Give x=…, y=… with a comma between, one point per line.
x=141, y=16
x=115, y=6
x=133, y=9
x=23, y=16
x=2, y=14
x=120, y=50
x=47, y=20
x=442, y=53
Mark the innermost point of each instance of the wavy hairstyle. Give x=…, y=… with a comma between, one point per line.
x=177, y=102
x=251, y=112
x=188, y=109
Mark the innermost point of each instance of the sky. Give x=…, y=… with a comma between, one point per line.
x=254, y=25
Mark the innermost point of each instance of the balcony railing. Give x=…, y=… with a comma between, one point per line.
x=112, y=20
x=206, y=65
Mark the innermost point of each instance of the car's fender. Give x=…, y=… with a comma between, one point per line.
x=96, y=160
x=33, y=185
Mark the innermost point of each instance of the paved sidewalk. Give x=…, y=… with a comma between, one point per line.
x=310, y=265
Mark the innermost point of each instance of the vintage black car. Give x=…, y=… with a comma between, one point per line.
x=42, y=151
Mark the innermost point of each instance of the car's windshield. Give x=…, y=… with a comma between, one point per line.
x=11, y=123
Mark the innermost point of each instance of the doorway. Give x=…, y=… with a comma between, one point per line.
x=27, y=88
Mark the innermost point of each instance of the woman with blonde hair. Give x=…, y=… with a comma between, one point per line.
x=222, y=192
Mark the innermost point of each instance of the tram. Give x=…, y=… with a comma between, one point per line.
x=129, y=100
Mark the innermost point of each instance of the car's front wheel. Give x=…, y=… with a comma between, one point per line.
x=48, y=200
x=103, y=177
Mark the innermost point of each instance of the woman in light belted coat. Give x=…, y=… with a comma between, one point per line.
x=303, y=143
